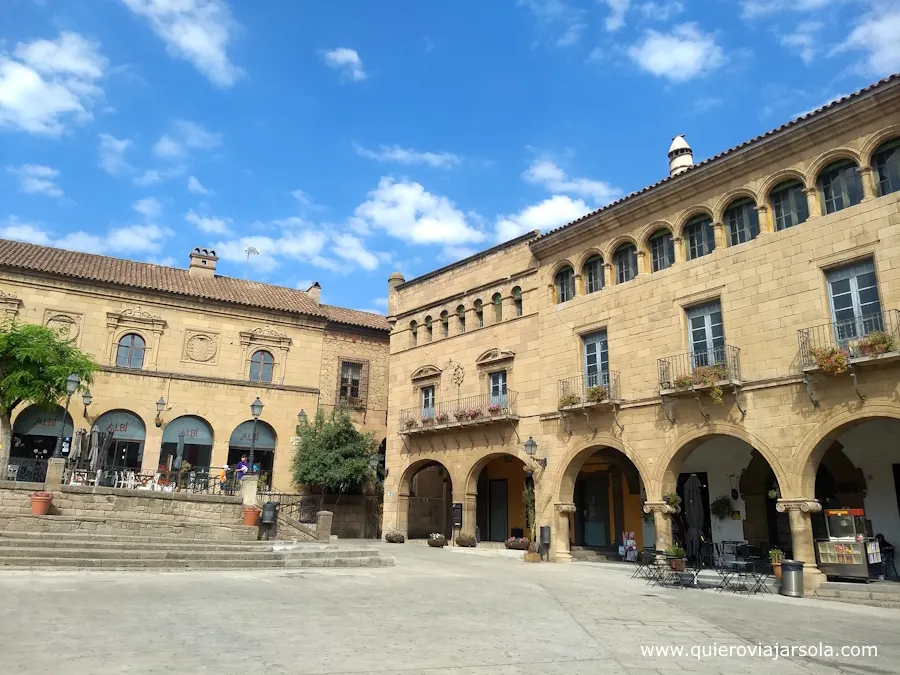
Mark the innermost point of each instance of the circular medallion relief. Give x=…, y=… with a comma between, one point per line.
x=201, y=348
x=64, y=325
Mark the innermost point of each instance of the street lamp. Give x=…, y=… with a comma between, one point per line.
x=72, y=382
x=86, y=399
x=531, y=448
x=302, y=417
x=160, y=406
x=256, y=409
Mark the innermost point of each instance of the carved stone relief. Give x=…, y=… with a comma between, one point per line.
x=201, y=347
x=67, y=324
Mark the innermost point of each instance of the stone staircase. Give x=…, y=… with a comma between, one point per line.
x=47, y=550
x=879, y=594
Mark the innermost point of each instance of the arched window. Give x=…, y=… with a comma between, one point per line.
x=414, y=331
x=699, y=239
x=625, y=260
x=497, y=299
x=789, y=205
x=445, y=323
x=517, y=300
x=593, y=274
x=839, y=186
x=461, y=315
x=742, y=221
x=428, y=329
x=262, y=363
x=565, y=284
x=662, y=250
x=130, y=352
x=886, y=163
x=479, y=313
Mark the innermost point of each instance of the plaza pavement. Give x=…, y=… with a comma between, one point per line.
x=438, y=612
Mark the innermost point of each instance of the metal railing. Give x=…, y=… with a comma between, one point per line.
x=701, y=367
x=26, y=470
x=588, y=389
x=464, y=410
x=301, y=507
x=196, y=481
x=867, y=335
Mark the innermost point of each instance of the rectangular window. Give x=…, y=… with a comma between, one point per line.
x=596, y=360
x=351, y=374
x=625, y=261
x=565, y=285
x=428, y=401
x=855, y=305
x=700, y=238
x=706, y=334
x=790, y=206
x=593, y=275
x=662, y=252
x=498, y=388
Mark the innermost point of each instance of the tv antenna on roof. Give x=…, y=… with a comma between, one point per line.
x=250, y=250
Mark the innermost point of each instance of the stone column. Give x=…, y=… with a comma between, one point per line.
x=607, y=274
x=509, y=306
x=765, y=223
x=812, y=202
x=642, y=266
x=560, y=533
x=249, y=486
x=679, y=249
x=56, y=468
x=469, y=501
x=456, y=327
x=867, y=179
x=799, y=511
x=152, y=449
x=661, y=522
x=323, y=525
x=579, y=284
x=551, y=293
x=719, y=235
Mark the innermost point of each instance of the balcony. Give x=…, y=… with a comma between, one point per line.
x=836, y=347
x=700, y=371
x=463, y=412
x=588, y=390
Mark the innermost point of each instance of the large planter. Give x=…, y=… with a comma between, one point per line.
x=439, y=542
x=776, y=568
x=676, y=564
x=532, y=557
x=251, y=516
x=517, y=545
x=40, y=504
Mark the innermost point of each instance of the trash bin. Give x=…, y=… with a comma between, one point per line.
x=270, y=513
x=545, y=541
x=792, y=578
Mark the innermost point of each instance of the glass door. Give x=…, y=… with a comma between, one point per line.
x=855, y=306
x=706, y=334
x=427, y=402
x=498, y=388
x=596, y=360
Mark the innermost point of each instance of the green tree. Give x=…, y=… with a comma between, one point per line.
x=332, y=454
x=34, y=364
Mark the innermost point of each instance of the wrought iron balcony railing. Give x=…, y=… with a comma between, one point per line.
x=468, y=410
x=588, y=390
x=26, y=470
x=700, y=369
x=831, y=345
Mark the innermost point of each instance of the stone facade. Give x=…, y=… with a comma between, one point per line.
x=199, y=351
x=769, y=288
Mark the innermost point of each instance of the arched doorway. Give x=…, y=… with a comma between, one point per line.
x=430, y=491
x=263, y=450
x=35, y=433
x=128, y=432
x=186, y=439
x=500, y=483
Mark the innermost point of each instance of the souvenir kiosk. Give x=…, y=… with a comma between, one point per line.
x=848, y=550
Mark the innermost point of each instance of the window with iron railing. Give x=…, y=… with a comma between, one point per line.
x=353, y=383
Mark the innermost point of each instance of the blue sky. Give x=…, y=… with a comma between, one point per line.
x=348, y=139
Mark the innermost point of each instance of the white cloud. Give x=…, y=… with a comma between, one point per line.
x=136, y=238
x=197, y=31
x=16, y=230
x=347, y=61
x=659, y=11
x=394, y=153
x=553, y=178
x=148, y=206
x=186, y=135
x=546, y=215
x=36, y=179
x=352, y=248
x=679, y=56
x=878, y=34
x=207, y=224
x=196, y=187
x=381, y=303
x=127, y=239
x=112, y=153
x=406, y=211
x=705, y=104
x=155, y=176
x=46, y=83
x=167, y=148
x=167, y=261
x=559, y=17
x=804, y=40
x=305, y=246
x=752, y=9
x=617, y=11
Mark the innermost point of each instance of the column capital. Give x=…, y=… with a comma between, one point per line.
x=801, y=504
x=810, y=191
x=660, y=507
x=864, y=170
x=565, y=507
x=761, y=208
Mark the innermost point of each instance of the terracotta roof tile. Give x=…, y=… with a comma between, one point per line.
x=116, y=271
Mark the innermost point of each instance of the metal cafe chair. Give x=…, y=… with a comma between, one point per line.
x=644, y=561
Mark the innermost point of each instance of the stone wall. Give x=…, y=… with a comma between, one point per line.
x=355, y=516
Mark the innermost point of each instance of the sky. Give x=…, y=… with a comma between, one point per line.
x=347, y=139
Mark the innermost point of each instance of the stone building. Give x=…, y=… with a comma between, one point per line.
x=184, y=352
x=686, y=329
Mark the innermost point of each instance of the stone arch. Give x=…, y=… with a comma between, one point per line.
x=559, y=265
x=826, y=158
x=666, y=476
x=729, y=198
x=575, y=458
x=471, y=480
x=776, y=179
x=414, y=467
x=612, y=246
x=586, y=255
x=874, y=142
x=685, y=217
x=816, y=443
x=650, y=230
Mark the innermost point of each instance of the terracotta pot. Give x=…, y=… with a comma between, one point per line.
x=676, y=564
x=532, y=557
x=40, y=505
x=776, y=568
x=251, y=516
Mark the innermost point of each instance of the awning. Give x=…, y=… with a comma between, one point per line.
x=124, y=425
x=196, y=431
x=35, y=421
x=265, y=436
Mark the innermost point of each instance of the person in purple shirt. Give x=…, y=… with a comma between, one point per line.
x=242, y=468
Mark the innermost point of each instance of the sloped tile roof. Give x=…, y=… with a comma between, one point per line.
x=138, y=275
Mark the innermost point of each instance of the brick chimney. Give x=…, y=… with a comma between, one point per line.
x=203, y=263
x=314, y=292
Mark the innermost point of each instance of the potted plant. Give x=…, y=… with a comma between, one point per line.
x=437, y=540
x=532, y=554
x=427, y=420
x=683, y=382
x=460, y=414
x=394, y=537
x=597, y=394
x=710, y=376
x=494, y=408
x=875, y=343
x=410, y=423
x=569, y=399
x=442, y=418
x=40, y=503
x=473, y=413
x=776, y=556
x=673, y=499
x=466, y=541
x=675, y=556
x=517, y=543
x=251, y=516
x=830, y=359
x=721, y=507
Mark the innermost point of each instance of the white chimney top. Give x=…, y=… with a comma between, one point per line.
x=681, y=157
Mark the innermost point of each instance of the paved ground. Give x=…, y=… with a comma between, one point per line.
x=437, y=612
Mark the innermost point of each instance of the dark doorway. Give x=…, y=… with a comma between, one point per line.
x=498, y=506
x=592, y=510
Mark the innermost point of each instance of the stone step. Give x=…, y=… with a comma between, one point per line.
x=297, y=553
x=70, y=564
x=127, y=526
x=80, y=540
x=868, y=602
x=874, y=595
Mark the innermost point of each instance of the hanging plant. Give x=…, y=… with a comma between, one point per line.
x=774, y=493
x=569, y=399
x=710, y=376
x=683, y=382
x=830, y=359
x=673, y=499
x=721, y=508
x=878, y=342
